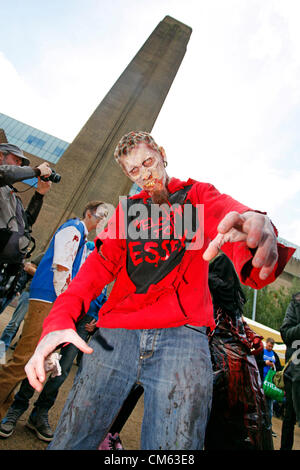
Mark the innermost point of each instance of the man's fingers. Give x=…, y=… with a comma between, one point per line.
x=254, y=228
x=72, y=337
x=213, y=248
x=210, y=252
x=232, y=219
x=215, y=245
x=45, y=169
x=40, y=368
x=83, y=346
x=32, y=377
x=266, y=258
x=266, y=254
x=35, y=368
x=260, y=235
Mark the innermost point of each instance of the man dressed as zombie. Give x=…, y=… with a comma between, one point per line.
x=153, y=328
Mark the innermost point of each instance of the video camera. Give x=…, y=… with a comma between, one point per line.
x=12, y=280
x=54, y=177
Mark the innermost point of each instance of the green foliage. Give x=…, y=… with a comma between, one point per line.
x=271, y=304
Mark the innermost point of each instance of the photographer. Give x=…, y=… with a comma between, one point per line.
x=15, y=222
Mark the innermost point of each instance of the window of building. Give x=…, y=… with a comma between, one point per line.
x=31, y=139
x=58, y=151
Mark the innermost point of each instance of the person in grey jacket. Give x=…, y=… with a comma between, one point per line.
x=290, y=332
x=15, y=222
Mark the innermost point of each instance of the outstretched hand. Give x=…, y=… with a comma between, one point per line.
x=258, y=233
x=35, y=368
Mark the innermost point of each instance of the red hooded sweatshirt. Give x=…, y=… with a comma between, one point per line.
x=159, y=282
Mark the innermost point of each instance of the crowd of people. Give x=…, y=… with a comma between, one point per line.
x=173, y=319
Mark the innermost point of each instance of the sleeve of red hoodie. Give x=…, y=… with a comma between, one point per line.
x=216, y=206
x=100, y=268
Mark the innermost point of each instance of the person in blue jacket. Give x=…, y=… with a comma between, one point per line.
x=65, y=255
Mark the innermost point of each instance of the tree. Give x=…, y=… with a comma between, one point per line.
x=271, y=304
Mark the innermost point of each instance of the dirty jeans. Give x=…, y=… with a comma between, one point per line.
x=269, y=403
x=173, y=366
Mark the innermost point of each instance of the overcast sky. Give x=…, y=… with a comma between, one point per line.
x=232, y=115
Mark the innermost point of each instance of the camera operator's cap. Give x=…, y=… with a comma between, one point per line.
x=10, y=148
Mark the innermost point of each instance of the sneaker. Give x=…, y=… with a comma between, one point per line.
x=8, y=423
x=38, y=422
x=111, y=442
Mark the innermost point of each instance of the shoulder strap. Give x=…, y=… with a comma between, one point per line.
x=288, y=363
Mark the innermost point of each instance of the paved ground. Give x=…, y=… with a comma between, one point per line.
x=24, y=439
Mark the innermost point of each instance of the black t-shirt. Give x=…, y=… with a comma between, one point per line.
x=157, y=237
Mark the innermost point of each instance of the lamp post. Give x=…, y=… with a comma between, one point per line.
x=254, y=304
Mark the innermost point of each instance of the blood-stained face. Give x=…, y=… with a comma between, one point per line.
x=101, y=212
x=145, y=167
x=101, y=217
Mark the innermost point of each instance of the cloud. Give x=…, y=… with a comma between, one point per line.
x=231, y=115
x=292, y=230
x=235, y=123
x=23, y=101
x=17, y=97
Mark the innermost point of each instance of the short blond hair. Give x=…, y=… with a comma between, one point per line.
x=131, y=140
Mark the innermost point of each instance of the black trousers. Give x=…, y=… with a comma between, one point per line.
x=289, y=420
x=50, y=391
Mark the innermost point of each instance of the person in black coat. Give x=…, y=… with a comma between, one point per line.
x=290, y=332
x=238, y=419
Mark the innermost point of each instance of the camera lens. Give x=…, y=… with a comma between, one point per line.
x=55, y=177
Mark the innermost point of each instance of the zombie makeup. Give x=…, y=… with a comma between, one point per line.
x=101, y=212
x=145, y=167
x=101, y=215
